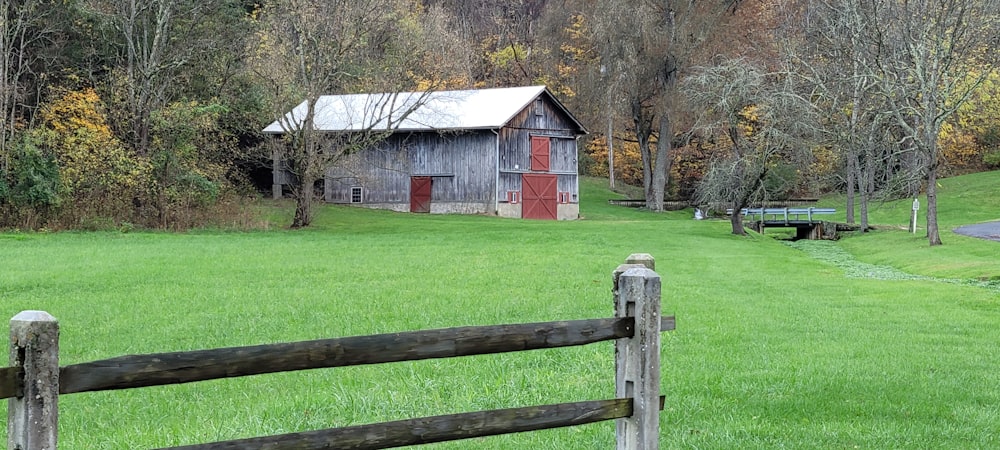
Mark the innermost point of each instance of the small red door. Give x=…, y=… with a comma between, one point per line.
x=420, y=194
x=540, y=153
x=538, y=195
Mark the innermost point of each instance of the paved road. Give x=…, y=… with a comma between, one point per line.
x=988, y=230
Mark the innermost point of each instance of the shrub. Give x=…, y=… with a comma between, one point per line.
x=101, y=175
x=29, y=187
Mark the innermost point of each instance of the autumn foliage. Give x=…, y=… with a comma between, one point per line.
x=149, y=113
x=73, y=171
x=93, y=163
x=970, y=141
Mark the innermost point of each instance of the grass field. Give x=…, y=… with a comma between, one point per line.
x=962, y=201
x=773, y=348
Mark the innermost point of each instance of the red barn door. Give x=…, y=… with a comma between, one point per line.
x=540, y=151
x=538, y=194
x=420, y=194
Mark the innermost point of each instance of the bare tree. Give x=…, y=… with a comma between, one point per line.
x=156, y=42
x=309, y=48
x=27, y=29
x=644, y=46
x=764, y=119
x=834, y=56
x=925, y=49
x=891, y=73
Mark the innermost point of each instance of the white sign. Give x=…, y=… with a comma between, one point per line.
x=916, y=204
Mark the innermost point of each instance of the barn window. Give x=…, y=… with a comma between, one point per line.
x=357, y=194
x=563, y=197
x=513, y=197
x=539, y=107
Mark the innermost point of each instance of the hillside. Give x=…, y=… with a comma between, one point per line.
x=962, y=200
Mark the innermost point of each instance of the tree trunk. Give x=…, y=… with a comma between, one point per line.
x=736, y=220
x=647, y=169
x=852, y=163
x=643, y=131
x=661, y=168
x=611, y=151
x=304, y=204
x=866, y=186
x=933, y=237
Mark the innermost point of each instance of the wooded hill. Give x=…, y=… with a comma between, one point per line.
x=149, y=112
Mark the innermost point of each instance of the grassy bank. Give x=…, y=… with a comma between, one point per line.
x=961, y=201
x=772, y=349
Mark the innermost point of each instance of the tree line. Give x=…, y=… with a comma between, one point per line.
x=149, y=112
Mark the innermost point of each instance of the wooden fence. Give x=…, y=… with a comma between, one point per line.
x=34, y=381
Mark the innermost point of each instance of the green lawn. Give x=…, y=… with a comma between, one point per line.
x=773, y=348
x=961, y=201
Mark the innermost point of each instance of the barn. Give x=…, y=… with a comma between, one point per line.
x=511, y=152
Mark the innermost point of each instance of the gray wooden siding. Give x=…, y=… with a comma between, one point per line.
x=509, y=182
x=563, y=155
x=567, y=183
x=462, y=166
x=515, y=139
x=515, y=147
x=338, y=190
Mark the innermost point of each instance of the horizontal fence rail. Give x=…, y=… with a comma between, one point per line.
x=429, y=430
x=10, y=382
x=34, y=381
x=159, y=369
x=184, y=367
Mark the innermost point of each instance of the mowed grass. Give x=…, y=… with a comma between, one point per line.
x=773, y=349
x=962, y=200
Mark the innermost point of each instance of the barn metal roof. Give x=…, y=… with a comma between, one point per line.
x=418, y=111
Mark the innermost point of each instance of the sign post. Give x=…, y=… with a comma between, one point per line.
x=913, y=216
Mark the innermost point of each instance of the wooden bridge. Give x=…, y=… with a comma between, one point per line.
x=806, y=222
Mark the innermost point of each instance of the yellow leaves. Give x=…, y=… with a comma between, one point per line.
x=748, y=119
x=628, y=160
x=452, y=83
x=76, y=110
x=506, y=57
x=558, y=86
x=90, y=157
x=825, y=163
x=959, y=147
x=577, y=28
x=965, y=140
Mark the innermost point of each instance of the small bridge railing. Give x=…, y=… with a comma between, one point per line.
x=784, y=215
x=34, y=381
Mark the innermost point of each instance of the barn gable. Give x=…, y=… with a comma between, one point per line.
x=471, y=152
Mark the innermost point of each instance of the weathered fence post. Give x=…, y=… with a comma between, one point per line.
x=637, y=360
x=34, y=347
